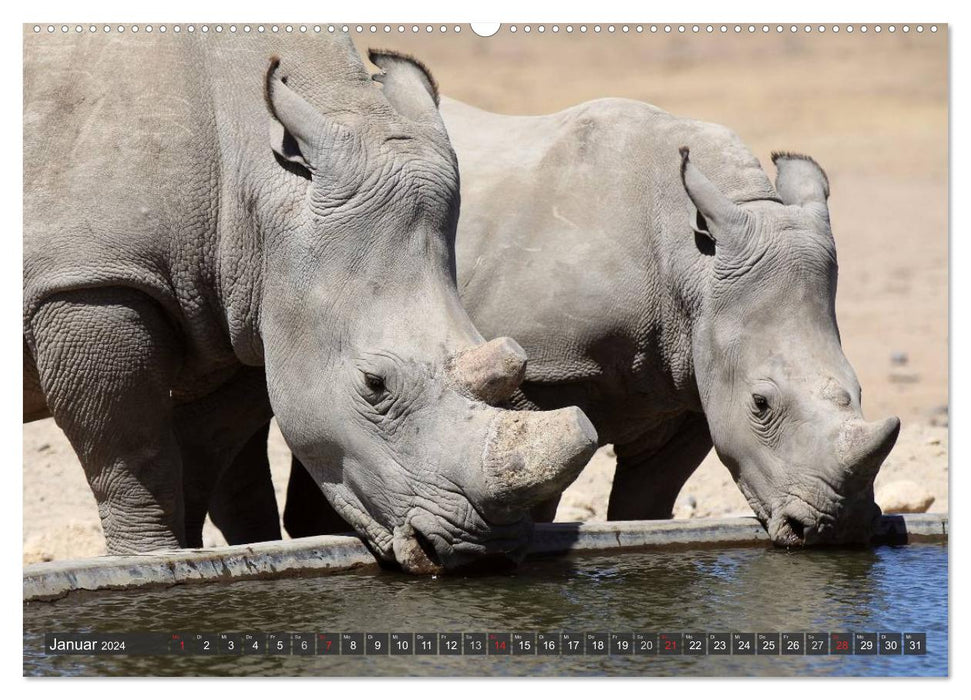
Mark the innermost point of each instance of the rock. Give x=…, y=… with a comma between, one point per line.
x=939, y=416
x=904, y=378
x=899, y=358
x=904, y=497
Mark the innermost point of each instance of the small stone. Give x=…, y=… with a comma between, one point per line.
x=43, y=448
x=904, y=497
x=939, y=416
x=899, y=358
x=904, y=378
x=687, y=509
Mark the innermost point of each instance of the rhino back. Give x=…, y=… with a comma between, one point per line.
x=575, y=239
x=147, y=165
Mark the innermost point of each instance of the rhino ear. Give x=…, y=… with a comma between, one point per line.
x=800, y=181
x=715, y=209
x=408, y=86
x=294, y=123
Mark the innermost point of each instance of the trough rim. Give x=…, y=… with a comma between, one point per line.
x=330, y=554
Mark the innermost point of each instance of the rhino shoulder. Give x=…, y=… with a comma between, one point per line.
x=610, y=123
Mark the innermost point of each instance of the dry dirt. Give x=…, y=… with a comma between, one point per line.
x=872, y=109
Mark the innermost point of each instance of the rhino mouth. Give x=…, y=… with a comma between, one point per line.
x=796, y=522
x=426, y=544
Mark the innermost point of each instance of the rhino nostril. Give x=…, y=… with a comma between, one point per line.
x=427, y=548
x=796, y=528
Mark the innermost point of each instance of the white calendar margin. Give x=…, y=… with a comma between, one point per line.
x=452, y=12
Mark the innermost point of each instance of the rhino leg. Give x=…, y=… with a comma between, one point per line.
x=652, y=470
x=35, y=405
x=106, y=359
x=244, y=506
x=307, y=512
x=212, y=430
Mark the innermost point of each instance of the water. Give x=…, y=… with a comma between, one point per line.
x=899, y=589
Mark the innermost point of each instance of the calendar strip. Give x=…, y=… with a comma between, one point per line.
x=490, y=644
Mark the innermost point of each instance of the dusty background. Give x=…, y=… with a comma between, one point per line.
x=871, y=108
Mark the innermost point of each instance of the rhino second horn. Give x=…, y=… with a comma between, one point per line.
x=490, y=372
x=863, y=446
x=534, y=455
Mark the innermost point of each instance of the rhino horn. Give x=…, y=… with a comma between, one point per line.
x=532, y=455
x=408, y=85
x=490, y=372
x=862, y=447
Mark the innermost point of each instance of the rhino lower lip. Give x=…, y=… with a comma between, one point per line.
x=492, y=556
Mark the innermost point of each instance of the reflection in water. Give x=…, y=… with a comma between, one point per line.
x=746, y=590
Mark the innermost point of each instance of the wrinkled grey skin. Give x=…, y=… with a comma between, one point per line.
x=194, y=218
x=679, y=298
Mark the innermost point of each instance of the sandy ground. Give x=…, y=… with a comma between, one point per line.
x=871, y=109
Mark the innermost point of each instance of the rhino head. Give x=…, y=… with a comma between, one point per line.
x=781, y=399
x=380, y=383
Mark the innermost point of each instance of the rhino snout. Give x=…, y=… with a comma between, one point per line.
x=533, y=455
x=830, y=500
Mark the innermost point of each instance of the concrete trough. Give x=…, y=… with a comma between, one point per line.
x=314, y=556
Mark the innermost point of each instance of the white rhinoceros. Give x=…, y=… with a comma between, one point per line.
x=193, y=219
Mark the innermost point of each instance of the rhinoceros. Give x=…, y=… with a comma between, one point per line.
x=658, y=280
x=213, y=234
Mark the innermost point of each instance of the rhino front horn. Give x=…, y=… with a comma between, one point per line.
x=863, y=446
x=534, y=455
x=490, y=372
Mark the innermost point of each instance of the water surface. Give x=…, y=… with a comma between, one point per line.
x=898, y=589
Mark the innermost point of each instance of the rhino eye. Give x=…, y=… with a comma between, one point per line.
x=374, y=384
x=760, y=403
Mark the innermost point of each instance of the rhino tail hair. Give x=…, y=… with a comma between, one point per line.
x=789, y=155
x=685, y=152
x=381, y=58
